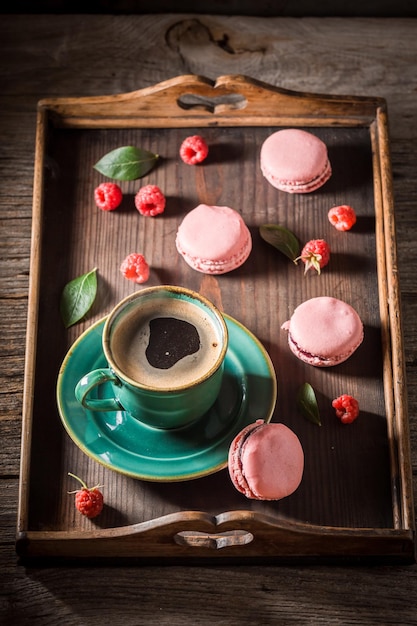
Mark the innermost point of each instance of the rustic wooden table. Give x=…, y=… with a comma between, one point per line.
x=48, y=56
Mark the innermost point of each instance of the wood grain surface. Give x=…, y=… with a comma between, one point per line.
x=55, y=56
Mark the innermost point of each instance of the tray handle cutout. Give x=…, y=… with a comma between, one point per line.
x=215, y=104
x=215, y=541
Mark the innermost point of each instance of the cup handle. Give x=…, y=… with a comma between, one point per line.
x=89, y=382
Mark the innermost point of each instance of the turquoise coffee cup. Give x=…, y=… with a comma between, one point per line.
x=165, y=347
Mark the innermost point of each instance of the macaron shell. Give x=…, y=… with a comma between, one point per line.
x=295, y=161
x=214, y=239
x=266, y=461
x=324, y=331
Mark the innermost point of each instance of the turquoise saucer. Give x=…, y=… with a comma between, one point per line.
x=123, y=444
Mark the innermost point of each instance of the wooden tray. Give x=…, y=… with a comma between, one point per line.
x=355, y=500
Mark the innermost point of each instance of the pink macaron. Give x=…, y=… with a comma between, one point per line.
x=324, y=331
x=266, y=461
x=213, y=239
x=295, y=161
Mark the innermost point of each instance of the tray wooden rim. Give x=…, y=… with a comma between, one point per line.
x=152, y=107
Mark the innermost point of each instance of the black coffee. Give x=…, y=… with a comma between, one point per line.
x=170, y=340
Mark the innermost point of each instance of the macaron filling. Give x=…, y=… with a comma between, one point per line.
x=218, y=266
x=300, y=186
x=318, y=359
x=239, y=475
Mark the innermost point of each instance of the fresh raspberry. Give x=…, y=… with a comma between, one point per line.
x=347, y=408
x=88, y=501
x=108, y=196
x=135, y=268
x=193, y=150
x=315, y=255
x=342, y=217
x=150, y=200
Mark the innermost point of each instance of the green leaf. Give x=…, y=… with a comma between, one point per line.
x=307, y=403
x=126, y=163
x=281, y=238
x=77, y=297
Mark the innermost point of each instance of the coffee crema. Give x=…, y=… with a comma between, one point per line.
x=166, y=343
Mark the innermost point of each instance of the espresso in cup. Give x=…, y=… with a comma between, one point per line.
x=166, y=343
x=165, y=347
